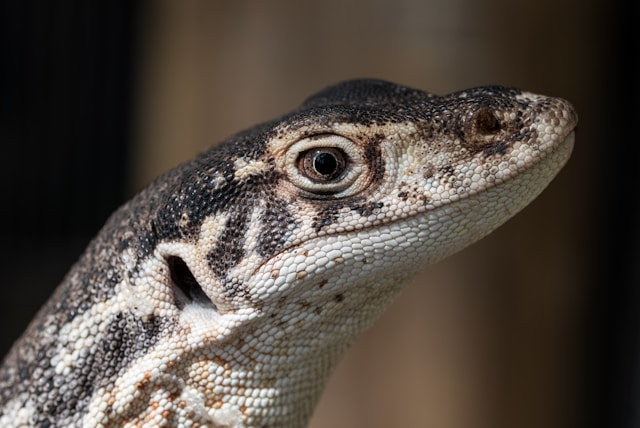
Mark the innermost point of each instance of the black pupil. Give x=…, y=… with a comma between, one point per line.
x=325, y=163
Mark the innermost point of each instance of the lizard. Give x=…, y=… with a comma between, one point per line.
x=224, y=293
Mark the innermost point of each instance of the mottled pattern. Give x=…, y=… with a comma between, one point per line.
x=224, y=293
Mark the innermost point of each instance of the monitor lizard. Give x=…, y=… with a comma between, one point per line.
x=224, y=293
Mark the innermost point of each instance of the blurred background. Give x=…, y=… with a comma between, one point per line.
x=535, y=326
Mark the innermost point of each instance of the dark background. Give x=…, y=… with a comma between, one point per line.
x=535, y=326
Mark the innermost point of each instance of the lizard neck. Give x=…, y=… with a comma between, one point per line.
x=270, y=375
x=291, y=358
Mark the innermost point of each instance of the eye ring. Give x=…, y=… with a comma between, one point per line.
x=326, y=165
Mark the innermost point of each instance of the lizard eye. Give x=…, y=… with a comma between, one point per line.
x=326, y=164
x=323, y=164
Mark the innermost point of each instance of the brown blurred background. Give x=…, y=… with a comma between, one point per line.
x=535, y=326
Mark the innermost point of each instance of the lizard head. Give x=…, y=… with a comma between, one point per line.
x=420, y=175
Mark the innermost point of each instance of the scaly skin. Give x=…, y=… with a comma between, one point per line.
x=224, y=293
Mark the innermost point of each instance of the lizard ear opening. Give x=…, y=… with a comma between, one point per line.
x=186, y=288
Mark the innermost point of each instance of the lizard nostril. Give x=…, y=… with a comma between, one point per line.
x=486, y=122
x=187, y=290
